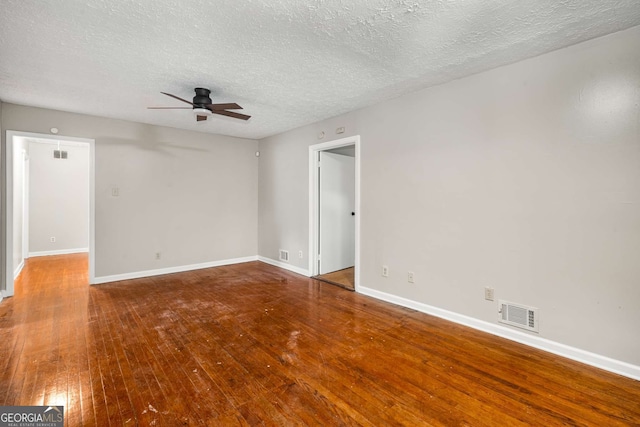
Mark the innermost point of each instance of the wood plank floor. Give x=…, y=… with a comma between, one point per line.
x=251, y=344
x=344, y=278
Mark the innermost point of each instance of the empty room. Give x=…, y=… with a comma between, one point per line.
x=371, y=213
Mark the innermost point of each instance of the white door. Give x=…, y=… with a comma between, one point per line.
x=337, y=205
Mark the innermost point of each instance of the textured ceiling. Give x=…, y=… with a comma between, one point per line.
x=287, y=62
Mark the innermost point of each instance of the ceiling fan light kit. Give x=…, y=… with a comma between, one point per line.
x=203, y=106
x=201, y=114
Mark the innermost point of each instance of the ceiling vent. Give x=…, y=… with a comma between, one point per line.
x=518, y=315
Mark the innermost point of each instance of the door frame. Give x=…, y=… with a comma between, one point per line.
x=314, y=205
x=8, y=202
x=25, y=204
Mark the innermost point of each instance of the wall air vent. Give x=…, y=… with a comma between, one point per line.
x=60, y=154
x=284, y=255
x=518, y=315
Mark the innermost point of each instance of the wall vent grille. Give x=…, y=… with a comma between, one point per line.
x=284, y=255
x=518, y=315
x=60, y=154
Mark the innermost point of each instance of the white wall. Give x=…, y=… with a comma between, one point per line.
x=2, y=208
x=19, y=145
x=190, y=196
x=58, y=198
x=524, y=178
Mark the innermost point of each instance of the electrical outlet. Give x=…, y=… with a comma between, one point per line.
x=115, y=192
x=385, y=271
x=488, y=293
x=300, y=254
x=410, y=277
x=53, y=240
x=157, y=255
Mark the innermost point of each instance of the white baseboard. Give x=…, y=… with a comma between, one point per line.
x=170, y=270
x=593, y=359
x=59, y=252
x=284, y=265
x=18, y=270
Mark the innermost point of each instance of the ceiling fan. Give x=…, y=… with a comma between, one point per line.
x=202, y=106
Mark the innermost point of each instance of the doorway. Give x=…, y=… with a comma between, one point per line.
x=35, y=237
x=334, y=195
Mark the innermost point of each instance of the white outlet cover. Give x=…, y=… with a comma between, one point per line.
x=488, y=293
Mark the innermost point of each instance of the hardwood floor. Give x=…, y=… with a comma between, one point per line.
x=344, y=278
x=251, y=344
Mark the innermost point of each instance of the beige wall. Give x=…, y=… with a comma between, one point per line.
x=525, y=178
x=191, y=196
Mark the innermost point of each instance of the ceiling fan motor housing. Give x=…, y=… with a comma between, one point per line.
x=202, y=97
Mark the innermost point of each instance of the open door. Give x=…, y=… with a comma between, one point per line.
x=334, y=217
x=337, y=212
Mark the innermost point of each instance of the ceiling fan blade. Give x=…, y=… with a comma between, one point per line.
x=201, y=118
x=178, y=98
x=231, y=114
x=230, y=106
x=170, y=108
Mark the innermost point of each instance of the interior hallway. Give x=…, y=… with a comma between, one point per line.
x=249, y=343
